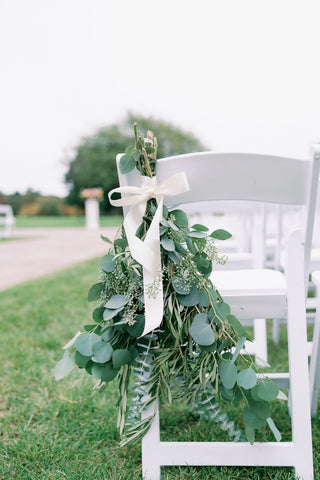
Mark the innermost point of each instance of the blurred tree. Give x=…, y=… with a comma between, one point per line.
x=93, y=163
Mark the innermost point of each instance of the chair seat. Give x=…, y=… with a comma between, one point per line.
x=256, y=293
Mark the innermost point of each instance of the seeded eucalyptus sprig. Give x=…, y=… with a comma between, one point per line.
x=196, y=355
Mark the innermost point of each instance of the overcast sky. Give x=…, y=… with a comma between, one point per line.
x=240, y=74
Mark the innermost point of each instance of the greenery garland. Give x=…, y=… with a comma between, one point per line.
x=196, y=354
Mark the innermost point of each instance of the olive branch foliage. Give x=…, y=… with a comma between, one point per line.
x=196, y=354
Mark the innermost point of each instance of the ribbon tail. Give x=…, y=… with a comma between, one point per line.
x=152, y=280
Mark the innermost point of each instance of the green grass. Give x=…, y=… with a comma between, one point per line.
x=64, y=221
x=65, y=430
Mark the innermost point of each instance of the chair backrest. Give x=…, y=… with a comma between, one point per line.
x=215, y=176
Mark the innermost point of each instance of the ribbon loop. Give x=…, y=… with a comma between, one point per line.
x=147, y=251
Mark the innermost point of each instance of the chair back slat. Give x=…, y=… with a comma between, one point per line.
x=236, y=176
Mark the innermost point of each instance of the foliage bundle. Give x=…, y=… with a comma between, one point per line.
x=196, y=354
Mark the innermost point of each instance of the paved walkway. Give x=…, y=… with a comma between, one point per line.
x=41, y=251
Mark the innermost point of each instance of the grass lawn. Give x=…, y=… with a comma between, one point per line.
x=64, y=221
x=65, y=430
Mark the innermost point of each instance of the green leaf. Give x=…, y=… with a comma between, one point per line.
x=222, y=310
x=81, y=360
x=261, y=409
x=247, y=378
x=121, y=357
x=227, y=393
x=167, y=243
x=190, y=245
x=96, y=371
x=251, y=419
x=234, y=322
x=127, y=163
x=197, y=234
x=174, y=257
x=250, y=435
x=190, y=300
x=203, y=298
x=273, y=428
x=105, y=239
x=267, y=390
x=181, y=285
x=238, y=348
x=228, y=373
x=109, y=313
x=220, y=234
x=134, y=353
x=199, y=228
x=108, y=373
x=108, y=334
x=107, y=263
x=95, y=291
x=84, y=343
x=64, y=366
x=201, y=330
x=97, y=314
x=102, y=352
x=116, y=301
x=137, y=328
x=88, y=328
x=181, y=218
x=209, y=348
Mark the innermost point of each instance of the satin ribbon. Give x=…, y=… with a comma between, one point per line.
x=147, y=251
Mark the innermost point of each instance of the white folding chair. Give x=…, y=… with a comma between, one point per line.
x=255, y=294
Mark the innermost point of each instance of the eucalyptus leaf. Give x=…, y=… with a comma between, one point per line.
x=228, y=373
x=108, y=373
x=261, y=409
x=84, y=343
x=222, y=310
x=203, y=298
x=197, y=234
x=250, y=434
x=247, y=378
x=267, y=390
x=63, y=367
x=220, y=234
x=200, y=228
x=102, y=352
x=137, y=328
x=251, y=419
x=105, y=239
x=121, y=357
x=97, y=314
x=238, y=348
x=181, y=285
x=201, y=330
x=191, y=299
x=167, y=243
x=273, y=428
x=81, y=360
x=238, y=327
x=116, y=301
x=127, y=163
x=174, y=257
x=180, y=216
x=111, y=313
x=95, y=291
x=108, y=263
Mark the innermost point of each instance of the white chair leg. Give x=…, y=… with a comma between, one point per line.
x=260, y=340
x=150, y=443
x=315, y=362
x=276, y=330
x=298, y=362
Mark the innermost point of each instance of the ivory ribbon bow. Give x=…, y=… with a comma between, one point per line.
x=147, y=251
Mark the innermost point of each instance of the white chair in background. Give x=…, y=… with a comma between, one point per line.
x=251, y=294
x=7, y=220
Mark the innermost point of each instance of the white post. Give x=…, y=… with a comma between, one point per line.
x=92, y=214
